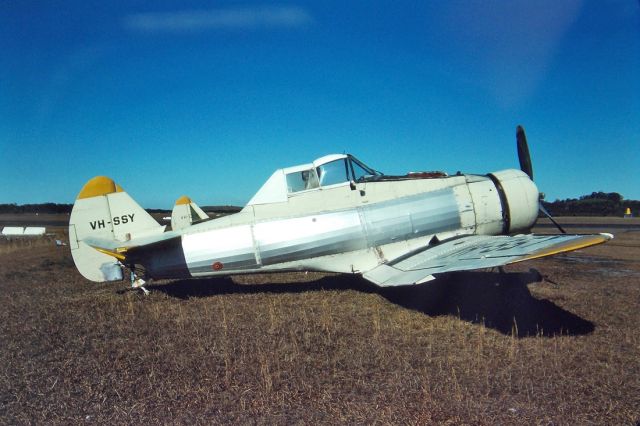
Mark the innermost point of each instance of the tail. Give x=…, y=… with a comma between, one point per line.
x=185, y=213
x=104, y=212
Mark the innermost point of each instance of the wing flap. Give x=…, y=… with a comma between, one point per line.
x=388, y=276
x=476, y=252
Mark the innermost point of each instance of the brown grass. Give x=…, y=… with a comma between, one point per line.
x=476, y=348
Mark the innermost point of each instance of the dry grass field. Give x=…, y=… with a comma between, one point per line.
x=559, y=344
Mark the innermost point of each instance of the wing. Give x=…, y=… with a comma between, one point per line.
x=475, y=252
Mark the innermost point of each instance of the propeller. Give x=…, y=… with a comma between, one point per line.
x=525, y=165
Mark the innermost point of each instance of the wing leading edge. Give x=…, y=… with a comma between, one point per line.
x=476, y=252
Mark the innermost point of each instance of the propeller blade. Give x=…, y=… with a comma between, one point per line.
x=544, y=210
x=523, y=152
x=525, y=165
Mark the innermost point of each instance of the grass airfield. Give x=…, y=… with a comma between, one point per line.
x=554, y=340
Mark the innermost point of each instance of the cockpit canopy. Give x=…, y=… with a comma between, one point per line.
x=328, y=171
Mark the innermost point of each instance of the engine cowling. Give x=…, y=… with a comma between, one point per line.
x=519, y=197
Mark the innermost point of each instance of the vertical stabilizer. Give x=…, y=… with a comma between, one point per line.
x=185, y=213
x=103, y=211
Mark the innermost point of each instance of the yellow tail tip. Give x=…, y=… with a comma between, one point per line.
x=183, y=200
x=99, y=185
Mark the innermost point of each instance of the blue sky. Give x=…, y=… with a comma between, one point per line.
x=208, y=98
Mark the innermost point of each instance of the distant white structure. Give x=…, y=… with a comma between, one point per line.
x=13, y=230
x=34, y=230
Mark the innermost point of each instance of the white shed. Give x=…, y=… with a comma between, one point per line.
x=34, y=230
x=13, y=230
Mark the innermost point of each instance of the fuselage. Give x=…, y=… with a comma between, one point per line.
x=347, y=227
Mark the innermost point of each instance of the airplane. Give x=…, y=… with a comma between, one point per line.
x=335, y=214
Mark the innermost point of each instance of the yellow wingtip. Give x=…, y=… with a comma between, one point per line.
x=586, y=241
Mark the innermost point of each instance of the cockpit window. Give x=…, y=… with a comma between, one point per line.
x=345, y=170
x=360, y=171
x=333, y=173
x=302, y=181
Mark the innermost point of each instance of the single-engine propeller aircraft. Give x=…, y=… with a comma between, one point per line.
x=335, y=214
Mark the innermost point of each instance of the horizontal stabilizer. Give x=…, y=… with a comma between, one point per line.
x=123, y=246
x=476, y=252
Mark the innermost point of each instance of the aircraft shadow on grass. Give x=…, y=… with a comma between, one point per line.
x=500, y=300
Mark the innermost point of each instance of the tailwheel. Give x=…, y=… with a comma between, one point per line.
x=137, y=282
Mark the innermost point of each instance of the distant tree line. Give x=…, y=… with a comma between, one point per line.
x=221, y=209
x=36, y=208
x=595, y=204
